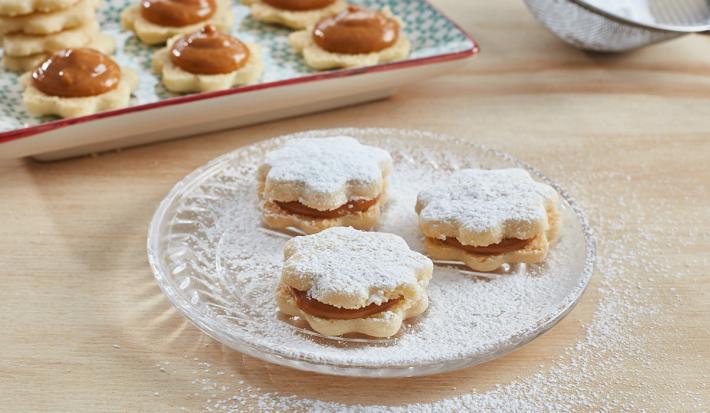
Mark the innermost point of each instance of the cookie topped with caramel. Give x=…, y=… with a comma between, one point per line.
x=209, y=52
x=356, y=30
x=77, y=73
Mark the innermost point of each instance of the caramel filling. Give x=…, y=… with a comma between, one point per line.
x=177, y=13
x=299, y=5
x=209, y=52
x=355, y=31
x=74, y=73
x=318, y=309
x=507, y=245
x=298, y=208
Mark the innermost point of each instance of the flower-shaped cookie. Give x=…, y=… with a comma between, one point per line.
x=79, y=14
x=207, y=60
x=486, y=218
x=22, y=7
x=295, y=14
x=156, y=21
x=342, y=280
x=77, y=82
x=355, y=37
x=313, y=184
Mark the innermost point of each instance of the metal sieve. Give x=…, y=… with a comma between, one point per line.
x=620, y=25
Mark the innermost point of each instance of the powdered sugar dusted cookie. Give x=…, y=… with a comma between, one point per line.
x=207, y=60
x=156, y=21
x=355, y=37
x=79, y=14
x=342, y=280
x=100, y=42
x=21, y=7
x=77, y=82
x=295, y=14
x=19, y=45
x=486, y=218
x=313, y=184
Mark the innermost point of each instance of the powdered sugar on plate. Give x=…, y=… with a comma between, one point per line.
x=221, y=268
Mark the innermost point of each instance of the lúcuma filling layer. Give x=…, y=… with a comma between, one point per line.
x=359, y=205
x=318, y=309
x=507, y=245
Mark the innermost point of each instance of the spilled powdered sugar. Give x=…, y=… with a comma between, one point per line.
x=611, y=350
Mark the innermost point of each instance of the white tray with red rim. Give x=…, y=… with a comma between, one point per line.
x=287, y=88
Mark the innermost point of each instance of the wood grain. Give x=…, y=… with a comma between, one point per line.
x=84, y=324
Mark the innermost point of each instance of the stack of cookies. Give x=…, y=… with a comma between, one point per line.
x=31, y=30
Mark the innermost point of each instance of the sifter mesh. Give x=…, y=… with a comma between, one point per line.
x=615, y=26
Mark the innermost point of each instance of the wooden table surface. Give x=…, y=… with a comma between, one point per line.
x=85, y=328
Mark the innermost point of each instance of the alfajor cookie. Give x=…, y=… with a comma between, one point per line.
x=314, y=184
x=80, y=14
x=77, y=82
x=207, y=60
x=342, y=280
x=156, y=21
x=485, y=218
x=22, y=7
x=355, y=37
x=295, y=14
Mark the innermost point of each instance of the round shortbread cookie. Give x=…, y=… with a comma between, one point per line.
x=79, y=14
x=483, y=207
x=320, y=59
x=347, y=268
x=101, y=42
x=19, y=45
x=178, y=80
x=151, y=33
x=40, y=104
x=266, y=13
x=384, y=324
x=22, y=7
x=325, y=173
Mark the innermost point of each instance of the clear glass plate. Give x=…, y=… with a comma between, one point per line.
x=219, y=267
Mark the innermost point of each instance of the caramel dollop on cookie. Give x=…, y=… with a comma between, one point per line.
x=177, y=13
x=299, y=5
x=75, y=73
x=209, y=52
x=356, y=31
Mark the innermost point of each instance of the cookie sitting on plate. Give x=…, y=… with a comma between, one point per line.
x=156, y=21
x=355, y=37
x=314, y=184
x=207, y=60
x=76, y=82
x=342, y=280
x=295, y=14
x=486, y=218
